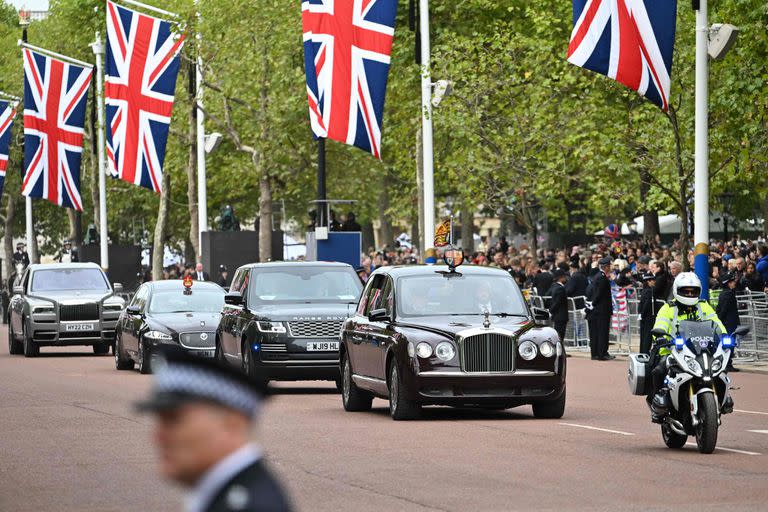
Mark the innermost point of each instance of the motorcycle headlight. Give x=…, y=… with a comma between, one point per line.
x=445, y=351
x=717, y=364
x=527, y=350
x=546, y=349
x=693, y=365
x=424, y=350
x=271, y=327
x=158, y=336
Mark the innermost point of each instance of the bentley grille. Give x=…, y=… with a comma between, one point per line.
x=195, y=339
x=77, y=312
x=488, y=353
x=314, y=329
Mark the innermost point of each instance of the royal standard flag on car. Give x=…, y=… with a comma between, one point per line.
x=443, y=234
x=631, y=41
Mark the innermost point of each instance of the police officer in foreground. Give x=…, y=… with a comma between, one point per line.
x=204, y=415
x=686, y=290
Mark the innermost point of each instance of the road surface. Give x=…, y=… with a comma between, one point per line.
x=69, y=441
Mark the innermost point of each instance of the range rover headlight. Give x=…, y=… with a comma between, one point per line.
x=424, y=350
x=527, y=350
x=272, y=327
x=40, y=310
x=157, y=336
x=546, y=349
x=445, y=351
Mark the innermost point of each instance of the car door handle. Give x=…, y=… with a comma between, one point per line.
x=357, y=339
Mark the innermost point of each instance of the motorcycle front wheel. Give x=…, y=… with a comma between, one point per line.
x=706, y=430
x=671, y=438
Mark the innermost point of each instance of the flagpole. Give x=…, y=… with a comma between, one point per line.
x=701, y=165
x=150, y=8
x=98, y=51
x=202, y=187
x=55, y=55
x=29, y=221
x=426, y=117
x=321, y=220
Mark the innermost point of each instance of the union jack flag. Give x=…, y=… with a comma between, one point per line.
x=347, y=44
x=142, y=66
x=55, y=95
x=631, y=41
x=7, y=113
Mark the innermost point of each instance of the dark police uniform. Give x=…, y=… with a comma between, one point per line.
x=600, y=317
x=558, y=305
x=647, y=309
x=727, y=305
x=253, y=489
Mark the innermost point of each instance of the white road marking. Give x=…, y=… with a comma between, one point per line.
x=599, y=429
x=751, y=412
x=743, y=452
x=758, y=431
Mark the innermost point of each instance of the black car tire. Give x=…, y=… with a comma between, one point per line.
x=120, y=362
x=250, y=369
x=353, y=398
x=550, y=410
x=101, y=349
x=31, y=349
x=219, y=354
x=671, y=438
x=400, y=407
x=145, y=359
x=14, y=346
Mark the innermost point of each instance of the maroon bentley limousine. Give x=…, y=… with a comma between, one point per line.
x=432, y=335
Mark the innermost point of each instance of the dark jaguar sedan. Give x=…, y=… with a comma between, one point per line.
x=184, y=313
x=428, y=335
x=282, y=320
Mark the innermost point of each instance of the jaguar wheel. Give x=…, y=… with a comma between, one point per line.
x=120, y=362
x=145, y=359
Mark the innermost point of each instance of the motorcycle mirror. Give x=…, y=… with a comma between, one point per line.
x=742, y=330
x=659, y=332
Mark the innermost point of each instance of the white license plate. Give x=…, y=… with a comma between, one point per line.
x=322, y=346
x=79, y=327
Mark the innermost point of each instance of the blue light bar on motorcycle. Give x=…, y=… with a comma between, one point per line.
x=727, y=341
x=679, y=343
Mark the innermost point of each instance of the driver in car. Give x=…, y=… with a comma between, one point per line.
x=686, y=306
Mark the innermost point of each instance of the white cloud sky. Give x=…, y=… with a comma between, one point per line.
x=33, y=5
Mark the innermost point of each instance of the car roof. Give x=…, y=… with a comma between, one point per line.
x=298, y=264
x=178, y=284
x=50, y=266
x=422, y=270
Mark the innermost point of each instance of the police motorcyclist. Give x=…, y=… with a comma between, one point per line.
x=685, y=305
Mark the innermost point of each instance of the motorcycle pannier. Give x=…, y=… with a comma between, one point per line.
x=639, y=375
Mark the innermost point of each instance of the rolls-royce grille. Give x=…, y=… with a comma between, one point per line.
x=488, y=353
x=195, y=339
x=77, y=312
x=315, y=329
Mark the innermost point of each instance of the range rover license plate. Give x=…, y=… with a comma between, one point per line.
x=322, y=346
x=79, y=327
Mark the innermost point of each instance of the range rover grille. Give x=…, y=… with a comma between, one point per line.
x=489, y=352
x=315, y=329
x=77, y=312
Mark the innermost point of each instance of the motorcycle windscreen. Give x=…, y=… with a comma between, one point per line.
x=699, y=336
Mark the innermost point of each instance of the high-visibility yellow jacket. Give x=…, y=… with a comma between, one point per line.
x=668, y=317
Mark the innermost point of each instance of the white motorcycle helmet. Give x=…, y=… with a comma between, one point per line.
x=687, y=288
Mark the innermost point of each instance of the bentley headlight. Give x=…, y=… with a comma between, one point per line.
x=424, y=350
x=271, y=327
x=693, y=365
x=527, y=350
x=546, y=349
x=411, y=349
x=40, y=310
x=445, y=351
x=157, y=335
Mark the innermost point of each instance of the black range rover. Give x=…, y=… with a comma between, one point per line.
x=281, y=321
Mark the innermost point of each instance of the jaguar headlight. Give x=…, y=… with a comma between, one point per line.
x=424, y=350
x=271, y=327
x=157, y=336
x=546, y=349
x=41, y=310
x=527, y=350
x=693, y=365
x=445, y=351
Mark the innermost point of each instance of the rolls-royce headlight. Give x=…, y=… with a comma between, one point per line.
x=43, y=309
x=527, y=350
x=546, y=349
x=113, y=307
x=445, y=351
x=424, y=350
x=157, y=335
x=272, y=327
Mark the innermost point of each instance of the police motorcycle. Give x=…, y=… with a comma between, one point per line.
x=695, y=377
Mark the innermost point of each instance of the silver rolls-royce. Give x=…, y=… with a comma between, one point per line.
x=63, y=304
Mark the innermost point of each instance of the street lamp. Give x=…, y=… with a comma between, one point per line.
x=726, y=201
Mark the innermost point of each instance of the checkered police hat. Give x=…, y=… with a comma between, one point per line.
x=182, y=378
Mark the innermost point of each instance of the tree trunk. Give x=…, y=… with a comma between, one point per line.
x=650, y=217
x=386, y=238
x=194, y=224
x=75, y=228
x=10, y=214
x=467, y=230
x=265, y=219
x=158, y=247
